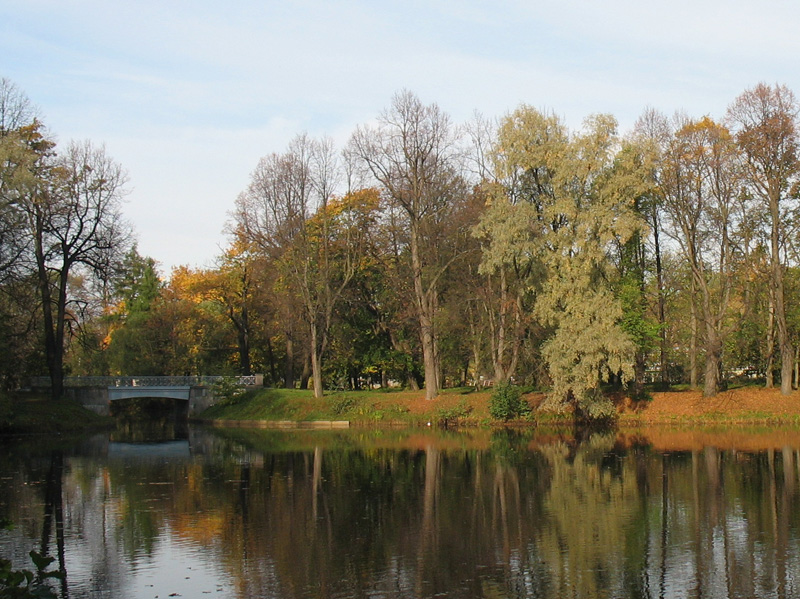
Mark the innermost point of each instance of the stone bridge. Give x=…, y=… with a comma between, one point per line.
x=97, y=392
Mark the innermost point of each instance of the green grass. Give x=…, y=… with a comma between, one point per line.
x=355, y=406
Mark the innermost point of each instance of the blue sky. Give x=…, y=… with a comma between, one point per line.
x=188, y=95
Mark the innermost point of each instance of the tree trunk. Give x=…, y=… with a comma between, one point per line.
x=243, y=336
x=713, y=359
x=784, y=345
x=770, y=349
x=662, y=328
x=425, y=301
x=639, y=370
x=316, y=362
x=288, y=370
x=53, y=325
x=273, y=370
x=693, y=342
x=306, y=374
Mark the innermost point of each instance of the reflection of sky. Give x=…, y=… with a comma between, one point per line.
x=167, y=449
x=681, y=524
x=97, y=565
x=178, y=567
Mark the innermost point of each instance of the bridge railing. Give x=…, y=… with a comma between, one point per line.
x=146, y=381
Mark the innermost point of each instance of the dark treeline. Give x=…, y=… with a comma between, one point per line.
x=429, y=254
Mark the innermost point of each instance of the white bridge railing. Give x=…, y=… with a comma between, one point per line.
x=146, y=381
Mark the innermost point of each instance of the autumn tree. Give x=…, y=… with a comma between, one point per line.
x=575, y=195
x=23, y=153
x=74, y=221
x=411, y=154
x=701, y=183
x=315, y=239
x=764, y=121
x=22, y=146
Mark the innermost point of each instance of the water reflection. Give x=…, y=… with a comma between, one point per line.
x=405, y=514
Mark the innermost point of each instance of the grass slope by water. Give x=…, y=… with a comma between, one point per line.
x=745, y=405
x=366, y=407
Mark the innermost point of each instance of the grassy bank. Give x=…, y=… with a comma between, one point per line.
x=465, y=406
x=24, y=413
x=394, y=407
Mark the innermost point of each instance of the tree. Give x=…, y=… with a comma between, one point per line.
x=652, y=133
x=411, y=154
x=18, y=163
x=270, y=214
x=764, y=120
x=573, y=197
x=701, y=182
x=315, y=240
x=136, y=340
x=74, y=222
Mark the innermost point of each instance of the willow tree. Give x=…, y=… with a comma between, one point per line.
x=572, y=198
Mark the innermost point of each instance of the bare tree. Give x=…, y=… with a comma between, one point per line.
x=74, y=222
x=412, y=155
x=16, y=109
x=700, y=184
x=290, y=213
x=765, y=121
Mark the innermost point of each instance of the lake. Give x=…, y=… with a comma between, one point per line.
x=198, y=512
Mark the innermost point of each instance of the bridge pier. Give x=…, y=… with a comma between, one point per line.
x=91, y=398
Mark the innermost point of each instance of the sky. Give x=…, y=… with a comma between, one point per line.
x=188, y=95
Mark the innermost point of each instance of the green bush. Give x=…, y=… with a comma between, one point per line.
x=506, y=402
x=455, y=413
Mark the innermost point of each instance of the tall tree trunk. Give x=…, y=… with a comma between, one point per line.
x=713, y=360
x=770, y=349
x=693, y=341
x=306, y=374
x=662, y=325
x=784, y=344
x=316, y=361
x=425, y=302
x=53, y=324
x=273, y=370
x=288, y=369
x=243, y=339
x=476, y=345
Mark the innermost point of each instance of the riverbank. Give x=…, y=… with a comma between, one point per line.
x=27, y=413
x=465, y=406
x=742, y=407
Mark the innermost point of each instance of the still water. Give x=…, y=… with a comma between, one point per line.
x=389, y=514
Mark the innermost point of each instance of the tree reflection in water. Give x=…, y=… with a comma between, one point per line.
x=394, y=514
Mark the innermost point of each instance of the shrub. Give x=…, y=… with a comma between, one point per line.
x=507, y=403
x=455, y=413
x=341, y=404
x=227, y=391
